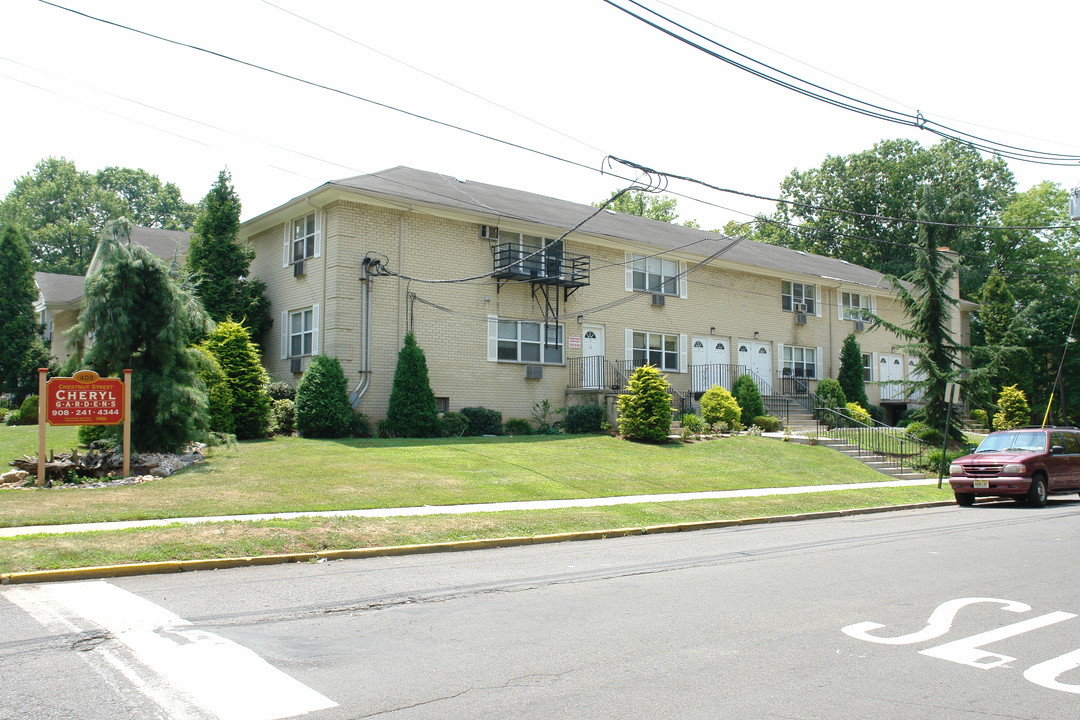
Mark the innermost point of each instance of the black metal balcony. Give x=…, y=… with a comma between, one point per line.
x=548, y=265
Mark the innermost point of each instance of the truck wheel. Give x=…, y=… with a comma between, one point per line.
x=964, y=499
x=1036, y=496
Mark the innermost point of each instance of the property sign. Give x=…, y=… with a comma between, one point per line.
x=85, y=399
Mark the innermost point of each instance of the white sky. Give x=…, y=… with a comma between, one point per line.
x=606, y=83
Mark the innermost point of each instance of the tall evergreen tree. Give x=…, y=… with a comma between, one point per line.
x=218, y=264
x=851, y=372
x=21, y=349
x=239, y=359
x=139, y=317
x=322, y=400
x=412, y=411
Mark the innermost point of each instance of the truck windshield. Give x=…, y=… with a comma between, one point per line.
x=1013, y=441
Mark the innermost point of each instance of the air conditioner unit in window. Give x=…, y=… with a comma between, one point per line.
x=296, y=365
x=800, y=318
x=534, y=372
x=798, y=307
x=658, y=299
x=860, y=326
x=489, y=232
x=298, y=269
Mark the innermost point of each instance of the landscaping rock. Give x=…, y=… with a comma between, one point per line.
x=14, y=477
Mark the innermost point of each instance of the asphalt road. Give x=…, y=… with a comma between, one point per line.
x=940, y=613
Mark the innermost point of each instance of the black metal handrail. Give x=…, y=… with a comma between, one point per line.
x=550, y=264
x=891, y=445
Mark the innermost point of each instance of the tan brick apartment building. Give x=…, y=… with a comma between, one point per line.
x=510, y=312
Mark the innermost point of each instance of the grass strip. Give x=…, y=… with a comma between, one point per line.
x=307, y=535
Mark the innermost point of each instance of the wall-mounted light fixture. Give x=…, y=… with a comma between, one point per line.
x=487, y=298
x=712, y=330
x=580, y=319
x=756, y=333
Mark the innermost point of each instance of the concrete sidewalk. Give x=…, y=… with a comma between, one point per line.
x=461, y=509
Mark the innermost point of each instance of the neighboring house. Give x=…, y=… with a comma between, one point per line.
x=60, y=296
x=516, y=313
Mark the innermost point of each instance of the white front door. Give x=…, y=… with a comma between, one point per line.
x=913, y=375
x=890, y=373
x=757, y=358
x=592, y=354
x=709, y=357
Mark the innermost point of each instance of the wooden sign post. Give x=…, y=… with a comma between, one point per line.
x=83, y=399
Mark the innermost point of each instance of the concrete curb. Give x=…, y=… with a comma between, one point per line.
x=111, y=571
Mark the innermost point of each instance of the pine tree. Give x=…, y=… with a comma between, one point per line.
x=218, y=393
x=746, y=393
x=412, y=411
x=218, y=264
x=239, y=359
x=322, y=400
x=851, y=372
x=139, y=318
x=645, y=407
x=21, y=348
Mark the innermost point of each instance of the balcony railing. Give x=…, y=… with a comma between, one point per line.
x=550, y=265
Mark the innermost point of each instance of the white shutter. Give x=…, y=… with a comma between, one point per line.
x=318, y=233
x=779, y=359
x=285, y=258
x=493, y=338
x=629, y=266
x=839, y=305
x=628, y=348
x=284, y=335
x=874, y=372
x=682, y=353
x=817, y=300
x=818, y=360
x=314, y=329
x=682, y=279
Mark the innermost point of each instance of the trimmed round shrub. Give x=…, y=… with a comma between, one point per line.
x=768, y=423
x=282, y=417
x=518, y=426
x=746, y=393
x=322, y=400
x=100, y=435
x=482, y=421
x=720, y=406
x=857, y=413
x=28, y=411
x=453, y=424
x=982, y=421
x=584, y=418
x=645, y=407
x=929, y=435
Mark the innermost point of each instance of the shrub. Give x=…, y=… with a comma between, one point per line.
x=412, y=411
x=720, y=406
x=544, y=417
x=745, y=391
x=850, y=376
x=278, y=390
x=453, y=424
x=768, y=423
x=282, y=417
x=482, y=421
x=28, y=411
x=219, y=395
x=982, y=421
x=645, y=407
x=857, y=413
x=360, y=425
x=831, y=397
x=1014, y=410
x=584, y=418
x=100, y=435
x=517, y=426
x=929, y=435
x=931, y=459
x=239, y=359
x=692, y=423
x=322, y=400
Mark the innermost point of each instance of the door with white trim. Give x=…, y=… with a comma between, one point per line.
x=757, y=358
x=592, y=356
x=709, y=358
x=891, y=375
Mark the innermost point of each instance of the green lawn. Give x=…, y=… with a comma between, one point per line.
x=292, y=474
x=289, y=474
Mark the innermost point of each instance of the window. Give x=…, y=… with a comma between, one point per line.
x=531, y=254
x=524, y=341
x=303, y=238
x=656, y=349
x=301, y=333
x=868, y=367
x=653, y=274
x=793, y=293
x=854, y=306
x=800, y=362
